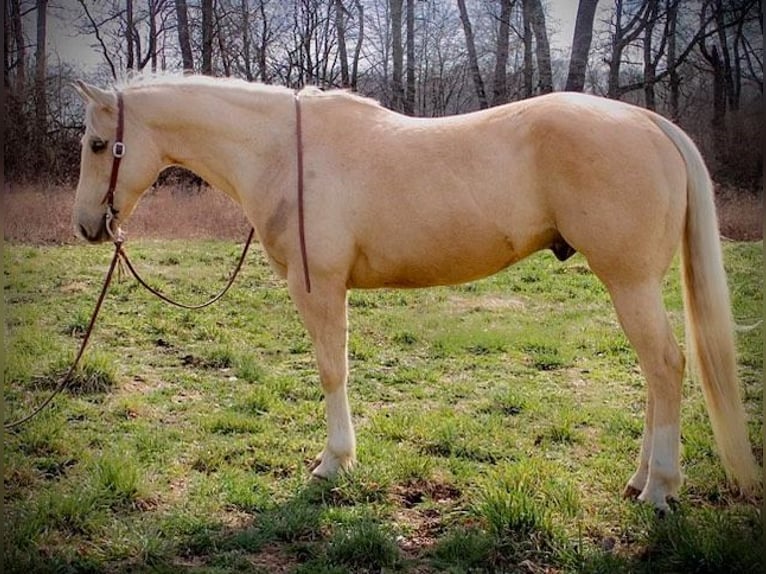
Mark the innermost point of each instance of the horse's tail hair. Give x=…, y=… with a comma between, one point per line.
x=709, y=322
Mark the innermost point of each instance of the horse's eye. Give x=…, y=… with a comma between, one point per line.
x=97, y=146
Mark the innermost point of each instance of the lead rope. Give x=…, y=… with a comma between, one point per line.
x=301, y=225
x=68, y=377
x=124, y=256
x=121, y=254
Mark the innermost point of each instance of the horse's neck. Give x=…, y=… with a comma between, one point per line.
x=222, y=134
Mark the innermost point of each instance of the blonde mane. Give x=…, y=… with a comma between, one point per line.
x=139, y=81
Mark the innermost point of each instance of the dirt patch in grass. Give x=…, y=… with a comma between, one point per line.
x=487, y=303
x=415, y=491
x=422, y=523
x=273, y=558
x=424, y=527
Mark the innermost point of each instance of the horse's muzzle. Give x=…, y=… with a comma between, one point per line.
x=99, y=235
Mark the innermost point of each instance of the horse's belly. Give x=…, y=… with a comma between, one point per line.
x=411, y=266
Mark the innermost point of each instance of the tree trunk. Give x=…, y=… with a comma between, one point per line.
x=207, y=37
x=473, y=60
x=358, y=48
x=153, y=34
x=650, y=66
x=718, y=121
x=613, y=83
x=409, y=96
x=340, y=30
x=246, y=41
x=529, y=69
x=21, y=51
x=130, y=63
x=7, y=33
x=41, y=104
x=262, y=71
x=397, y=87
x=726, y=70
x=225, y=57
x=184, y=41
x=542, y=46
x=500, y=85
x=583, y=34
x=675, y=81
x=623, y=35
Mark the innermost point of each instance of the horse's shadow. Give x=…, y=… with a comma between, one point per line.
x=342, y=525
x=322, y=527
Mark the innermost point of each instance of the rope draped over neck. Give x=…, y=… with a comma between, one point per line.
x=301, y=214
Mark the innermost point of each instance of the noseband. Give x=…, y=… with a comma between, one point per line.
x=118, y=151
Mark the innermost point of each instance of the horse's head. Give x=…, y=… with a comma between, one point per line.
x=100, y=171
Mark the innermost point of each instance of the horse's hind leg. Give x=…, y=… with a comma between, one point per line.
x=645, y=322
x=324, y=314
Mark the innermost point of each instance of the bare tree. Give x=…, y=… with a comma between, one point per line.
x=583, y=34
x=409, y=94
x=358, y=48
x=130, y=65
x=340, y=30
x=533, y=10
x=20, y=49
x=671, y=7
x=500, y=85
x=397, y=85
x=650, y=59
x=41, y=104
x=623, y=34
x=473, y=59
x=207, y=37
x=184, y=42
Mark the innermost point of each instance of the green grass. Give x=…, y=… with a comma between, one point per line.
x=497, y=425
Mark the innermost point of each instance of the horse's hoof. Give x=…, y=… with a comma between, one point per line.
x=631, y=492
x=314, y=464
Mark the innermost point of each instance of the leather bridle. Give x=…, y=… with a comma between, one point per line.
x=118, y=152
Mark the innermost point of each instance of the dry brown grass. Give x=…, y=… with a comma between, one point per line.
x=740, y=214
x=44, y=215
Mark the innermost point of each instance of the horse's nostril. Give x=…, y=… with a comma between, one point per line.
x=83, y=232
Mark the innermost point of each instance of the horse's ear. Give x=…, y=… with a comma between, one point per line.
x=96, y=95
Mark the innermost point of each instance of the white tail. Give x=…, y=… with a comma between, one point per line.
x=709, y=322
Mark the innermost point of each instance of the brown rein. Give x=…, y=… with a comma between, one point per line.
x=124, y=257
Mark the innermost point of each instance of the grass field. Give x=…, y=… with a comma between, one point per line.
x=497, y=424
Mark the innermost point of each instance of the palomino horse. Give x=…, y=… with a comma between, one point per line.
x=346, y=194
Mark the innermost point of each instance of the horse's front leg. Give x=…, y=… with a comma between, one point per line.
x=324, y=313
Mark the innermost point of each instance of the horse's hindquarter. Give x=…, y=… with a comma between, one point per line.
x=428, y=202
x=615, y=183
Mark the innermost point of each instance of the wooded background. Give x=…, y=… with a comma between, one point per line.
x=699, y=62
